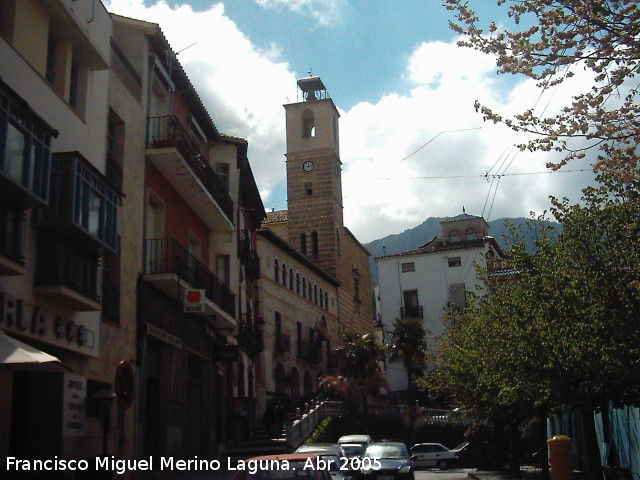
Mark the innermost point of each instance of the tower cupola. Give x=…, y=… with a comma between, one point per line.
x=312, y=89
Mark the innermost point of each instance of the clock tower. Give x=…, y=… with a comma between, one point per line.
x=314, y=186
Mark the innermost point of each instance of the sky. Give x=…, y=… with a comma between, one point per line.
x=412, y=144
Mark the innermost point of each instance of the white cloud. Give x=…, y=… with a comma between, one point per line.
x=325, y=12
x=242, y=86
x=244, y=89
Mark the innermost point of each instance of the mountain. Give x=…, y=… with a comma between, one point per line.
x=418, y=236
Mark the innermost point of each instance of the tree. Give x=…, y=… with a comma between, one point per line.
x=565, y=334
x=549, y=40
x=408, y=343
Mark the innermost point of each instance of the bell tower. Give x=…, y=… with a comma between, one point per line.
x=314, y=185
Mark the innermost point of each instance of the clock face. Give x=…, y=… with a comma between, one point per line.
x=308, y=166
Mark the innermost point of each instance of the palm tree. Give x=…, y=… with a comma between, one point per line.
x=408, y=340
x=360, y=372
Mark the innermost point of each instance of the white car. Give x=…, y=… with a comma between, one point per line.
x=435, y=455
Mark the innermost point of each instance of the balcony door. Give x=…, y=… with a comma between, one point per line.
x=154, y=229
x=411, y=304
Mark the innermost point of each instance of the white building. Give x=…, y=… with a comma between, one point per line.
x=425, y=282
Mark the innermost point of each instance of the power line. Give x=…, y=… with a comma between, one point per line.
x=486, y=175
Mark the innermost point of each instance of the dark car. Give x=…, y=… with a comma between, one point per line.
x=388, y=461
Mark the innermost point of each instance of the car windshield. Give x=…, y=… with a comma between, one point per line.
x=386, y=451
x=353, y=451
x=461, y=446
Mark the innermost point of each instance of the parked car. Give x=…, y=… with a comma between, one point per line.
x=296, y=471
x=363, y=440
x=436, y=455
x=389, y=461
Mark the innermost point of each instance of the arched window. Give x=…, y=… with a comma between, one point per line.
x=290, y=279
x=315, y=294
x=308, y=124
x=297, y=283
x=309, y=289
x=454, y=236
x=470, y=234
x=304, y=288
x=326, y=301
x=276, y=270
x=321, y=299
x=303, y=243
x=284, y=275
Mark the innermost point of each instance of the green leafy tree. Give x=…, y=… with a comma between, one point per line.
x=548, y=41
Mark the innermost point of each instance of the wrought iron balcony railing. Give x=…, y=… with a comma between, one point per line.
x=411, y=311
x=167, y=131
x=283, y=343
x=166, y=255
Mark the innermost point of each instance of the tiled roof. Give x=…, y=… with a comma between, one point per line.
x=462, y=216
x=439, y=245
x=277, y=216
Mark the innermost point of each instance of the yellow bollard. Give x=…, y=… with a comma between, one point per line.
x=560, y=457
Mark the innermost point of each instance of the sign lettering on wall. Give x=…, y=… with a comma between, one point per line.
x=31, y=320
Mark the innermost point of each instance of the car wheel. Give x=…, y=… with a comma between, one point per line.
x=443, y=464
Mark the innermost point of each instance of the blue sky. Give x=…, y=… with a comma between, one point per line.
x=412, y=145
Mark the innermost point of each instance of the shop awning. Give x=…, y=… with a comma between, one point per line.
x=16, y=355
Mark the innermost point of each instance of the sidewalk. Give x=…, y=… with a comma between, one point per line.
x=526, y=473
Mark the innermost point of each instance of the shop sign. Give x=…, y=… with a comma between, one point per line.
x=160, y=334
x=18, y=316
x=74, y=405
x=194, y=301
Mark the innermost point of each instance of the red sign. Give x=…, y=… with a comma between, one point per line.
x=125, y=384
x=194, y=296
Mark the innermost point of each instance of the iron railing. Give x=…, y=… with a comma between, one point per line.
x=166, y=255
x=411, y=311
x=309, y=350
x=62, y=261
x=168, y=131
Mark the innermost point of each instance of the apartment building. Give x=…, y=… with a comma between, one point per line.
x=424, y=283
x=59, y=223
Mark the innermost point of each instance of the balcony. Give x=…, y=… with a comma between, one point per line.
x=172, y=269
x=67, y=271
x=282, y=343
x=309, y=350
x=250, y=335
x=12, y=237
x=411, y=311
x=178, y=157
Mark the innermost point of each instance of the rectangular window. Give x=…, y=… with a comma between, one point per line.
x=315, y=247
x=308, y=188
x=454, y=261
x=457, y=296
x=223, y=174
x=303, y=243
x=111, y=288
x=74, y=85
x=25, y=155
x=50, y=72
x=115, y=150
x=222, y=268
x=408, y=267
x=81, y=195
